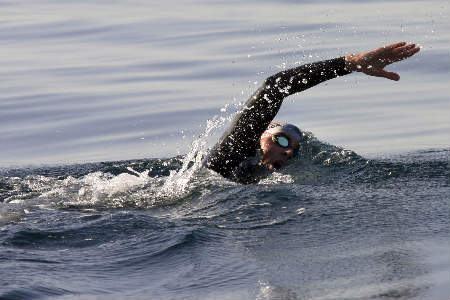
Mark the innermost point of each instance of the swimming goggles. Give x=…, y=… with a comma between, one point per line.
x=283, y=142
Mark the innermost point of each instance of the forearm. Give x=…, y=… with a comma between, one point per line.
x=265, y=103
x=298, y=79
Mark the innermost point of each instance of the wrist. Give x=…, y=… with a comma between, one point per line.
x=351, y=62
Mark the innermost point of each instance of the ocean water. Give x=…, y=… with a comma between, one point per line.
x=107, y=107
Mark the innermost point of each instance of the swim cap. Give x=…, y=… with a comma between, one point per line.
x=276, y=127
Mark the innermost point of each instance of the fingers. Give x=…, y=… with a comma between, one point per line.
x=385, y=74
x=389, y=48
x=395, y=45
x=410, y=51
x=397, y=48
x=404, y=48
x=405, y=51
x=373, y=62
x=391, y=75
x=395, y=52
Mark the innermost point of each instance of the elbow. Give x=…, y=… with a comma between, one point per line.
x=271, y=82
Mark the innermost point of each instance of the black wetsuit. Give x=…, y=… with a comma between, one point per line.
x=236, y=155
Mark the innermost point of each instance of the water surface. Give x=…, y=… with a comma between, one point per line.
x=89, y=82
x=106, y=109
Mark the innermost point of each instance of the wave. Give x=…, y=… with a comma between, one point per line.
x=126, y=218
x=183, y=183
x=159, y=182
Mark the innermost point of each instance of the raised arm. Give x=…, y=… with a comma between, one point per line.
x=242, y=139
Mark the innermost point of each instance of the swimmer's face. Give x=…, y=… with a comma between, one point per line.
x=274, y=155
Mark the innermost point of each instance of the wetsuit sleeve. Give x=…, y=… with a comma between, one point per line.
x=242, y=139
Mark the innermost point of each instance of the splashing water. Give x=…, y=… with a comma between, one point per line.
x=181, y=182
x=155, y=183
x=102, y=188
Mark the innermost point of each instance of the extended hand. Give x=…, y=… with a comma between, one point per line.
x=373, y=62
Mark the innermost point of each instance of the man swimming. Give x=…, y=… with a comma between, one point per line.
x=253, y=146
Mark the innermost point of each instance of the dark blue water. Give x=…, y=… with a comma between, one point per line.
x=332, y=226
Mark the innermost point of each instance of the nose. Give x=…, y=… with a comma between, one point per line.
x=289, y=153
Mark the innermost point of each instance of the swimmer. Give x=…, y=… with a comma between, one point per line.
x=254, y=146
